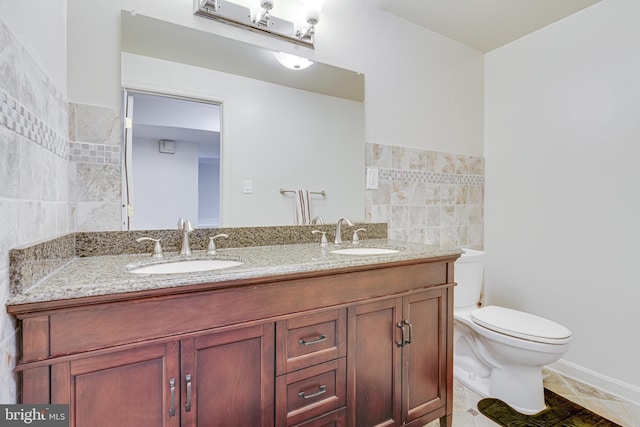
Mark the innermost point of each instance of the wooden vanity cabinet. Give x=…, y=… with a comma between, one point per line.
x=317, y=349
x=214, y=379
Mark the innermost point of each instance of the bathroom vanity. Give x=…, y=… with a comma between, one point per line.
x=325, y=340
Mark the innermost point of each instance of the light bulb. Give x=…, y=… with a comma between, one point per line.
x=312, y=11
x=292, y=62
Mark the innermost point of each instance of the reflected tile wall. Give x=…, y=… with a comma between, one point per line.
x=427, y=196
x=94, y=167
x=34, y=190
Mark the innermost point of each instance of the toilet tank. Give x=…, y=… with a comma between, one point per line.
x=469, y=275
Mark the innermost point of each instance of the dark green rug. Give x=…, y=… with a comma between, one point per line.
x=560, y=413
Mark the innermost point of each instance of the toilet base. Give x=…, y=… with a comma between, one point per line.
x=523, y=391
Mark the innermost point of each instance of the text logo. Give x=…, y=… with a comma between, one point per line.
x=34, y=415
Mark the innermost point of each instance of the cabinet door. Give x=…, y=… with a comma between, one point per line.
x=424, y=358
x=228, y=378
x=373, y=364
x=126, y=389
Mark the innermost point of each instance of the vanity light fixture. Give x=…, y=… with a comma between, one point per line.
x=262, y=20
x=292, y=62
x=312, y=16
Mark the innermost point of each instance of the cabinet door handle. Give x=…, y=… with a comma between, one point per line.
x=323, y=389
x=402, y=340
x=187, y=406
x=406, y=322
x=172, y=390
x=320, y=339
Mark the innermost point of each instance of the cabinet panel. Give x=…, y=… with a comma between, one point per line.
x=228, y=378
x=374, y=368
x=424, y=364
x=124, y=389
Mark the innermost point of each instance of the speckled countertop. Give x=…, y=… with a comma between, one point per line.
x=110, y=275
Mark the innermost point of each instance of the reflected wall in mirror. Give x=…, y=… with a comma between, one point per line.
x=280, y=128
x=172, y=161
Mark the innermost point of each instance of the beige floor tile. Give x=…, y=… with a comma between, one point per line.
x=627, y=414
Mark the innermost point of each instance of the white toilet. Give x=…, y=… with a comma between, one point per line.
x=499, y=352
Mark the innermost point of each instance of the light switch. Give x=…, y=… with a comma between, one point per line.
x=247, y=186
x=372, y=179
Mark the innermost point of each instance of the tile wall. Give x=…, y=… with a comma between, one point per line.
x=95, y=135
x=34, y=183
x=427, y=196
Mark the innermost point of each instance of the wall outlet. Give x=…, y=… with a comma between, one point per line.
x=372, y=179
x=247, y=186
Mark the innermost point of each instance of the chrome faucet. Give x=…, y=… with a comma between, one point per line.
x=185, y=226
x=338, y=239
x=157, y=249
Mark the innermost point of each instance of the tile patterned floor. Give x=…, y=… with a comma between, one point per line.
x=627, y=414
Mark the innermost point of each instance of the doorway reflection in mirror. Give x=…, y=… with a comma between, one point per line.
x=172, y=161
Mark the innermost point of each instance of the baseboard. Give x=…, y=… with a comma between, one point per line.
x=607, y=384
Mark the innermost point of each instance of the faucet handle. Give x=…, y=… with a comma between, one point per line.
x=356, y=239
x=185, y=225
x=323, y=240
x=211, y=248
x=157, y=249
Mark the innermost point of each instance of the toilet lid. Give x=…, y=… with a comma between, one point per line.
x=521, y=325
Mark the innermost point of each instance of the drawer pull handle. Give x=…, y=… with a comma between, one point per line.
x=172, y=389
x=321, y=338
x=406, y=322
x=323, y=390
x=402, y=341
x=187, y=406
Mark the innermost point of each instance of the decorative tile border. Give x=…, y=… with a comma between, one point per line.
x=16, y=117
x=429, y=177
x=94, y=153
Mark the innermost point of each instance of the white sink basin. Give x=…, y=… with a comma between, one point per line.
x=364, y=251
x=192, y=266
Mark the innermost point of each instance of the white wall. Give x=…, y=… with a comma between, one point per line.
x=562, y=199
x=41, y=28
x=422, y=90
x=165, y=186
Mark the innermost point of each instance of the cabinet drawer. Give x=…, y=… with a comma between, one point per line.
x=333, y=419
x=305, y=341
x=311, y=392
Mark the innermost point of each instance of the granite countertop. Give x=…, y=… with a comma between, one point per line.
x=110, y=275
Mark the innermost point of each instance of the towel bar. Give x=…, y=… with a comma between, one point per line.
x=284, y=190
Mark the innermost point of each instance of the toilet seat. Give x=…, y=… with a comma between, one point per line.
x=521, y=325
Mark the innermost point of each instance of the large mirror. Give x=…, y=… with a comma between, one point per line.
x=279, y=129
